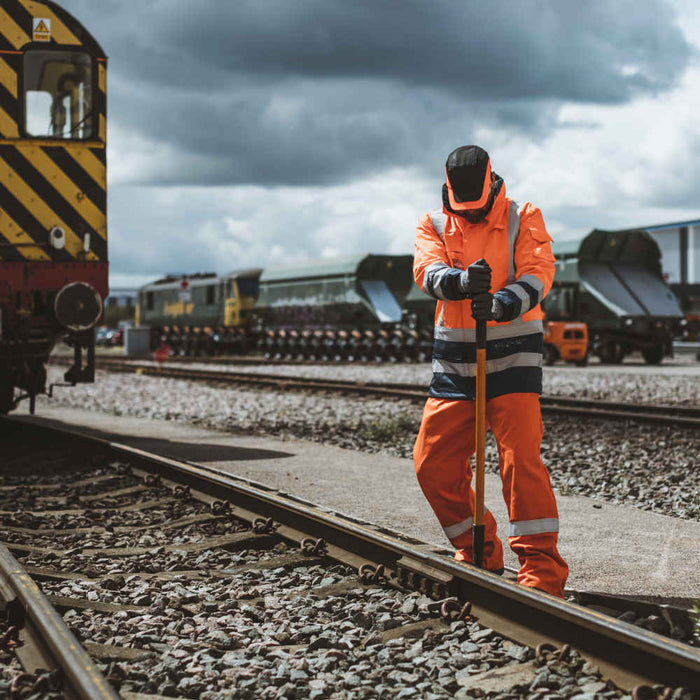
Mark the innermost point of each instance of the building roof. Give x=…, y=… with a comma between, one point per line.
x=675, y=224
x=568, y=247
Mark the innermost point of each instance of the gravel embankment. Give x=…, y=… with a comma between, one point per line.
x=618, y=462
x=626, y=383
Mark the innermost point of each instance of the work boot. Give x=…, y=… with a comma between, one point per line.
x=542, y=567
x=466, y=556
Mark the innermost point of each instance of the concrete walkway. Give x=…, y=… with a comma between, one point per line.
x=615, y=549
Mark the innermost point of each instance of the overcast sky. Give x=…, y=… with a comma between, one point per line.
x=255, y=132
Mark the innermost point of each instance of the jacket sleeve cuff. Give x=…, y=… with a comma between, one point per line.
x=443, y=282
x=521, y=296
x=510, y=304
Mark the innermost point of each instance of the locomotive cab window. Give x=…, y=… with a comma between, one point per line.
x=58, y=100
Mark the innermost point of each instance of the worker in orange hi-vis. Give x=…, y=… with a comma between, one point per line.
x=484, y=257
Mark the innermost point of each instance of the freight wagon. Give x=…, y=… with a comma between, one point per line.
x=612, y=281
x=347, y=308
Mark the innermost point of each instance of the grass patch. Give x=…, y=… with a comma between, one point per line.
x=388, y=429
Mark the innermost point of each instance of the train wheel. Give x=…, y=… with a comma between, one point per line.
x=653, y=355
x=612, y=353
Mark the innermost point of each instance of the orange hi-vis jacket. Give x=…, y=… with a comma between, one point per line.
x=514, y=242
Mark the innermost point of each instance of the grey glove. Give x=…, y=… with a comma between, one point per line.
x=486, y=308
x=476, y=279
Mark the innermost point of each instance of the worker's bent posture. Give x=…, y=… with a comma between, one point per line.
x=479, y=223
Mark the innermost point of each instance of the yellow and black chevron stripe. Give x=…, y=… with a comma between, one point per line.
x=48, y=182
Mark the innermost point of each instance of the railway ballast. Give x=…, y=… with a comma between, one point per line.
x=177, y=592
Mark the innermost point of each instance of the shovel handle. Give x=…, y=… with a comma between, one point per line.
x=480, y=443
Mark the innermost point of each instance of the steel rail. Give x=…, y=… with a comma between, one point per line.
x=628, y=655
x=678, y=416
x=46, y=643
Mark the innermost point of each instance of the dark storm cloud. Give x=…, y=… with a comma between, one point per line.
x=321, y=91
x=595, y=51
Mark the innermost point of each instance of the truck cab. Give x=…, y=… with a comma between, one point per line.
x=567, y=341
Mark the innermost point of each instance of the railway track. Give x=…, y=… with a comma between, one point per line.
x=180, y=579
x=677, y=416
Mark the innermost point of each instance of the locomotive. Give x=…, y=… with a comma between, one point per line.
x=201, y=314
x=608, y=289
x=612, y=281
x=53, y=195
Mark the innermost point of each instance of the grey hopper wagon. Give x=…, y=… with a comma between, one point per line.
x=612, y=281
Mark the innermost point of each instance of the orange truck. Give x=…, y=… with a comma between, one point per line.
x=567, y=341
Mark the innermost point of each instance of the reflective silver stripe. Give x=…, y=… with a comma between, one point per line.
x=437, y=219
x=515, y=328
x=432, y=279
x=468, y=369
x=535, y=282
x=458, y=529
x=533, y=527
x=522, y=295
x=513, y=231
x=454, y=531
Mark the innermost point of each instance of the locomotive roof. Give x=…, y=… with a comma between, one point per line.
x=65, y=30
x=175, y=280
x=327, y=267
x=674, y=224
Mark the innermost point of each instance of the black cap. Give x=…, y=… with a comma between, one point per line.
x=467, y=169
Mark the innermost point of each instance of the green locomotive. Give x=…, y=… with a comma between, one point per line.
x=202, y=314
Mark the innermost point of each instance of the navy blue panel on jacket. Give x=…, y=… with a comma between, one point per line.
x=513, y=365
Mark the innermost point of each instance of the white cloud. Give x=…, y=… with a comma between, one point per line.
x=628, y=165
x=173, y=230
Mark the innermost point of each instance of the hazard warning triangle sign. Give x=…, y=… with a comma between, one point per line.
x=42, y=29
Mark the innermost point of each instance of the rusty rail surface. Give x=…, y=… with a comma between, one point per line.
x=629, y=655
x=42, y=641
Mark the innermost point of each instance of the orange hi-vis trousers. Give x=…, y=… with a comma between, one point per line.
x=442, y=455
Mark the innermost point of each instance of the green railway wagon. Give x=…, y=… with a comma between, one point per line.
x=341, y=308
x=356, y=291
